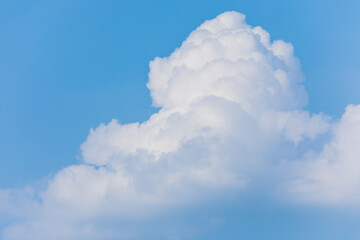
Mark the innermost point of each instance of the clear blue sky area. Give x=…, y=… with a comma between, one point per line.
x=67, y=66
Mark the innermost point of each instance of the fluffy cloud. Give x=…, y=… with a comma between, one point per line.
x=228, y=97
x=231, y=112
x=332, y=176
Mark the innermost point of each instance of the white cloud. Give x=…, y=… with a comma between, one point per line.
x=231, y=111
x=333, y=175
x=226, y=87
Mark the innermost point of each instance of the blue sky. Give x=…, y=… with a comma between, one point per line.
x=66, y=67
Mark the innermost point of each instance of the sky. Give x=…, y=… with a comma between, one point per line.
x=66, y=67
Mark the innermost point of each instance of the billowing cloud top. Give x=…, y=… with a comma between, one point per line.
x=231, y=115
x=226, y=58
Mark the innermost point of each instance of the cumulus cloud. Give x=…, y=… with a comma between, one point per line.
x=228, y=97
x=230, y=113
x=332, y=176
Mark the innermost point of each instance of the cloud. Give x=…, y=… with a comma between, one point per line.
x=332, y=176
x=230, y=117
x=228, y=97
